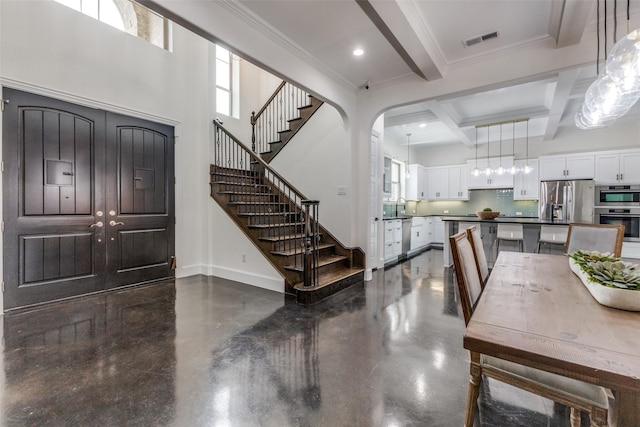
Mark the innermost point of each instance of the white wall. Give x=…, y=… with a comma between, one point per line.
x=317, y=161
x=50, y=49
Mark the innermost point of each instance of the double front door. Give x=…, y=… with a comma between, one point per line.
x=88, y=200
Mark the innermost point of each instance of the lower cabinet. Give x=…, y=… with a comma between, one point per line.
x=392, y=239
x=489, y=233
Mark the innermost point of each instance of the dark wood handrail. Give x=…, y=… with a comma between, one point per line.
x=254, y=117
x=261, y=162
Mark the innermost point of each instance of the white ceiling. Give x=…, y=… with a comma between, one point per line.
x=425, y=38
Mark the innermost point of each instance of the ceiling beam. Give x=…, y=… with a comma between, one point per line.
x=409, y=118
x=400, y=31
x=568, y=21
x=446, y=116
x=525, y=113
x=561, y=97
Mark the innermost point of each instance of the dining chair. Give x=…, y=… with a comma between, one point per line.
x=577, y=395
x=552, y=235
x=475, y=239
x=595, y=237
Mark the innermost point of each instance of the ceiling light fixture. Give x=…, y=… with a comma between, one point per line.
x=513, y=170
x=407, y=171
x=422, y=125
x=500, y=169
x=488, y=170
x=527, y=169
x=358, y=52
x=617, y=88
x=476, y=171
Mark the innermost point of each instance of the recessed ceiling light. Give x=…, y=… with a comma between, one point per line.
x=423, y=125
x=358, y=52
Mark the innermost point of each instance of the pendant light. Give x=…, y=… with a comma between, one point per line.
x=500, y=169
x=407, y=171
x=513, y=168
x=488, y=171
x=476, y=171
x=527, y=169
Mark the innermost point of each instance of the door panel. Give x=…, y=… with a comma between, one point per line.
x=69, y=170
x=140, y=235
x=51, y=192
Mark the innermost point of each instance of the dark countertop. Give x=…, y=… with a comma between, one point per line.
x=504, y=219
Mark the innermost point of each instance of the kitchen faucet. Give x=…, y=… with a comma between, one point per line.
x=398, y=202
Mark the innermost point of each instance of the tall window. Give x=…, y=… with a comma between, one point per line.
x=227, y=83
x=223, y=81
x=127, y=16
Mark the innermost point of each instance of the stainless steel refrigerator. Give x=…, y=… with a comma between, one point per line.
x=567, y=201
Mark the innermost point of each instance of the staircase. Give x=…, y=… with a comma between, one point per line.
x=286, y=111
x=281, y=222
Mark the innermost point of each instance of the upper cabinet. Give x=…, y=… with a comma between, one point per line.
x=386, y=176
x=617, y=167
x=493, y=180
x=438, y=183
x=578, y=166
x=416, y=183
x=458, y=182
x=526, y=186
x=448, y=183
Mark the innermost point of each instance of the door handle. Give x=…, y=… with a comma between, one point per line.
x=114, y=223
x=98, y=224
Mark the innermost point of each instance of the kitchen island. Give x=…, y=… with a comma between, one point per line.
x=531, y=230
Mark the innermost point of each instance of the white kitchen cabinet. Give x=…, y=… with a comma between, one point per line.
x=438, y=230
x=458, y=182
x=438, y=183
x=617, y=167
x=392, y=239
x=580, y=166
x=526, y=186
x=416, y=183
x=493, y=180
x=419, y=233
x=429, y=229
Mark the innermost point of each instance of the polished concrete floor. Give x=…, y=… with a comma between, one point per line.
x=210, y=352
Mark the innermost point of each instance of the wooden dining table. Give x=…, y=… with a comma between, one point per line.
x=535, y=311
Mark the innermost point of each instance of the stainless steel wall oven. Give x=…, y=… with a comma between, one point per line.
x=618, y=195
x=628, y=216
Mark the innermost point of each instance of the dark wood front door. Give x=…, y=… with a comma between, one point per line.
x=87, y=200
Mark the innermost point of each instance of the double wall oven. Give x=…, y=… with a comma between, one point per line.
x=619, y=204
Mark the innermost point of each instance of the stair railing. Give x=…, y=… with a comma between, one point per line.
x=274, y=116
x=291, y=219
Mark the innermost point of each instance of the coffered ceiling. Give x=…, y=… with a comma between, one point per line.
x=431, y=39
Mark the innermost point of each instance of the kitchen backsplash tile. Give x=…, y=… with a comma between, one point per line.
x=497, y=200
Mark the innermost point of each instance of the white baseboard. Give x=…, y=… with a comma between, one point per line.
x=275, y=284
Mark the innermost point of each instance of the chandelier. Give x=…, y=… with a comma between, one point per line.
x=617, y=88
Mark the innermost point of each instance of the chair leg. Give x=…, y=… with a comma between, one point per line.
x=575, y=418
x=474, y=390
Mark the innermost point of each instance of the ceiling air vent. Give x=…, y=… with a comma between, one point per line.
x=479, y=39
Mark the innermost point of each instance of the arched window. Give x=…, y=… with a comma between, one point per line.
x=127, y=16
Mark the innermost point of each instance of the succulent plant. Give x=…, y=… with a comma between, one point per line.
x=486, y=210
x=607, y=270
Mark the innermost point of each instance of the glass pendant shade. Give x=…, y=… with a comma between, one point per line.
x=616, y=89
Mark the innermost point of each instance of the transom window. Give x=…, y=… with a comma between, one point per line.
x=227, y=83
x=127, y=16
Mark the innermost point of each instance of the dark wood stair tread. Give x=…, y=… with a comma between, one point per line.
x=275, y=225
x=283, y=237
x=292, y=252
x=324, y=260
x=330, y=278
